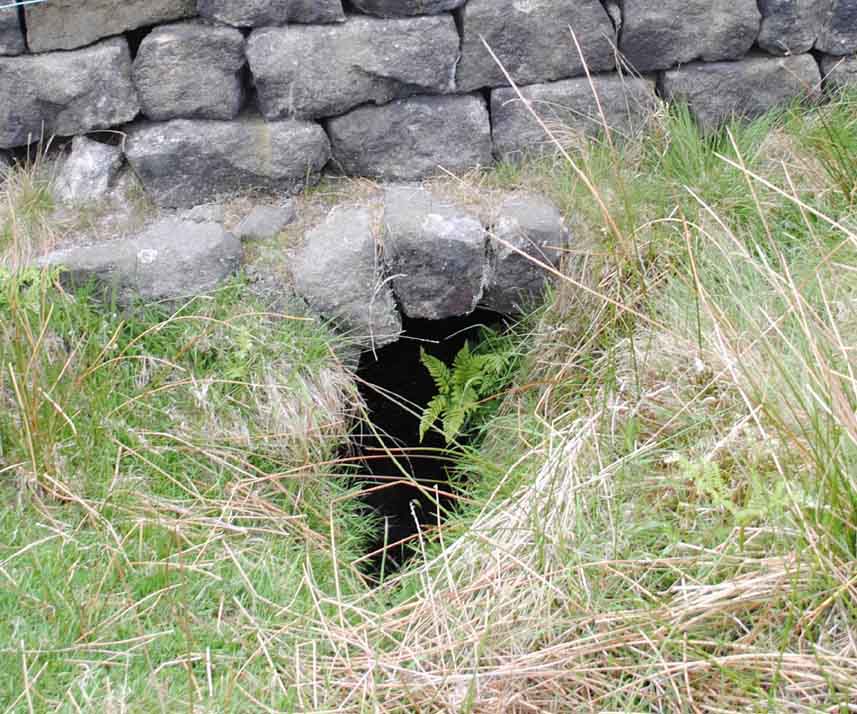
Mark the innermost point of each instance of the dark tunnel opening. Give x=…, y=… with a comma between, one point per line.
x=416, y=494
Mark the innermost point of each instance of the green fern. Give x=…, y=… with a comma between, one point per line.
x=464, y=391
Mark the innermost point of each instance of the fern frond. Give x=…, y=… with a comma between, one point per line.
x=437, y=369
x=432, y=413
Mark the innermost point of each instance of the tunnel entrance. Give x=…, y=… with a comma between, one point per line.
x=406, y=482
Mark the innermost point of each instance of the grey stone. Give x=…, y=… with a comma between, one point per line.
x=5, y=164
x=527, y=228
x=66, y=24
x=435, y=253
x=839, y=72
x=531, y=38
x=569, y=109
x=790, y=27
x=658, y=35
x=65, y=93
x=265, y=13
x=322, y=70
x=206, y=213
x=11, y=36
x=838, y=35
x=171, y=259
x=400, y=8
x=266, y=221
x=413, y=138
x=185, y=162
x=89, y=171
x=339, y=274
x=718, y=91
x=190, y=70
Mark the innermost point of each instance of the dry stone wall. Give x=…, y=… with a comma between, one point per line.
x=214, y=96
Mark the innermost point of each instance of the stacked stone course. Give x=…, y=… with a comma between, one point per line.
x=216, y=96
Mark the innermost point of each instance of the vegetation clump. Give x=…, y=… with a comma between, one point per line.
x=659, y=514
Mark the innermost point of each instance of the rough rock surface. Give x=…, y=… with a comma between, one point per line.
x=531, y=39
x=338, y=273
x=790, y=27
x=839, y=72
x=718, y=91
x=435, y=253
x=568, y=106
x=412, y=138
x=89, y=171
x=65, y=93
x=66, y=24
x=266, y=221
x=5, y=165
x=185, y=162
x=533, y=225
x=322, y=70
x=206, y=213
x=171, y=259
x=838, y=35
x=264, y=13
x=399, y=8
x=190, y=70
x=11, y=36
x=658, y=35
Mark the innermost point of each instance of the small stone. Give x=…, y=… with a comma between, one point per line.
x=206, y=213
x=532, y=225
x=171, y=259
x=186, y=162
x=89, y=171
x=435, y=252
x=266, y=221
x=659, y=35
x=414, y=138
x=338, y=273
x=719, y=91
x=65, y=93
x=267, y=13
x=190, y=70
x=5, y=165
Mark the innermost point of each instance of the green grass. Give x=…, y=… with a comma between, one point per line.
x=660, y=516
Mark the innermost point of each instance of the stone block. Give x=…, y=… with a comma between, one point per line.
x=11, y=35
x=265, y=13
x=190, y=70
x=790, y=27
x=186, y=162
x=413, y=138
x=338, y=272
x=324, y=70
x=65, y=93
x=659, y=35
x=402, y=8
x=171, y=259
x=838, y=35
x=435, y=254
x=67, y=24
x=569, y=108
x=718, y=91
x=528, y=231
x=532, y=40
